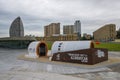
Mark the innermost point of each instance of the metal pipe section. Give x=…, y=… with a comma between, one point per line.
x=63, y=46
x=37, y=49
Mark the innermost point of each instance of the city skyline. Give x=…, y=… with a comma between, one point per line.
x=36, y=14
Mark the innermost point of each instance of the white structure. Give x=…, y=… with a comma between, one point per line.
x=37, y=49
x=77, y=27
x=63, y=46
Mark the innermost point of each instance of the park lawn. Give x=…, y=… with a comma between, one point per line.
x=49, y=44
x=109, y=46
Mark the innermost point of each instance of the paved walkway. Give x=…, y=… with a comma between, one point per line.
x=13, y=69
x=21, y=75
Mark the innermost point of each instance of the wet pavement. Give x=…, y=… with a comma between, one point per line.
x=12, y=68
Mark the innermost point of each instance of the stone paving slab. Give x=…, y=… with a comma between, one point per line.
x=113, y=58
x=37, y=67
x=13, y=69
x=100, y=76
x=19, y=75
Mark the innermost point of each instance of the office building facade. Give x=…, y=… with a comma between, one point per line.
x=77, y=27
x=52, y=29
x=68, y=29
x=105, y=33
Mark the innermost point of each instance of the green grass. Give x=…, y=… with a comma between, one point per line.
x=109, y=46
x=49, y=44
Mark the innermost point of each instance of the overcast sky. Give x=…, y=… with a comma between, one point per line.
x=35, y=14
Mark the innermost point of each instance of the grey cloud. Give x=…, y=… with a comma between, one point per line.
x=36, y=14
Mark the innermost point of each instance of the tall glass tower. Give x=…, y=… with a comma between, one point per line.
x=77, y=28
x=16, y=28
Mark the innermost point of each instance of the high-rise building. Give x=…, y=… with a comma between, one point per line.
x=77, y=28
x=16, y=28
x=105, y=33
x=68, y=29
x=52, y=29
